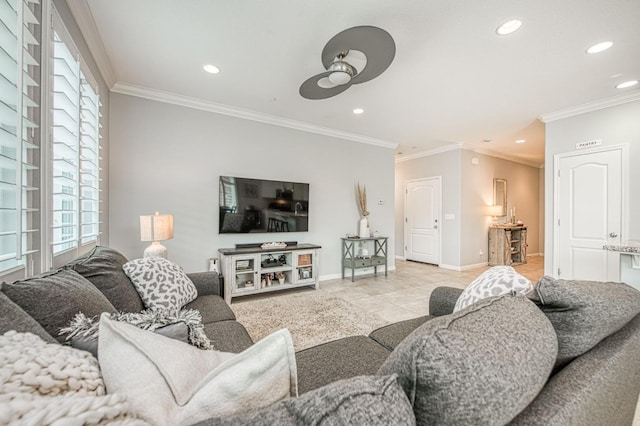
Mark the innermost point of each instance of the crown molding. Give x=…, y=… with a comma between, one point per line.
x=503, y=156
x=84, y=18
x=204, y=105
x=459, y=146
x=591, y=106
x=440, y=150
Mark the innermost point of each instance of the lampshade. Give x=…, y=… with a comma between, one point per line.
x=495, y=211
x=157, y=227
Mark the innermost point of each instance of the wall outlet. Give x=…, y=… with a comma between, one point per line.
x=481, y=253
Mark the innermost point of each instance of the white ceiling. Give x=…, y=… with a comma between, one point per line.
x=453, y=80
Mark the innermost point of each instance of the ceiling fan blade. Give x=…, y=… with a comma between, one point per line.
x=376, y=44
x=310, y=89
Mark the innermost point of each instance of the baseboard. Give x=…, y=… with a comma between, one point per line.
x=358, y=273
x=463, y=268
x=535, y=254
x=401, y=258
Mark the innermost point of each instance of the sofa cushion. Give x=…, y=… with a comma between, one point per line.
x=363, y=400
x=212, y=308
x=481, y=365
x=391, y=335
x=13, y=317
x=494, y=281
x=170, y=382
x=584, y=312
x=53, y=299
x=160, y=283
x=340, y=359
x=228, y=336
x=103, y=267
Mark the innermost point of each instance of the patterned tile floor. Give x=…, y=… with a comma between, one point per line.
x=405, y=292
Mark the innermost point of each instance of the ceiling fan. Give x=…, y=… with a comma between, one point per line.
x=352, y=56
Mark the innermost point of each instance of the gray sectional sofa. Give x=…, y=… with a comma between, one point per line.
x=566, y=354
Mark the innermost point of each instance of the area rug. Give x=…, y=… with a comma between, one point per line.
x=312, y=317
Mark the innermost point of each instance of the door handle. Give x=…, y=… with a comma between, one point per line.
x=613, y=235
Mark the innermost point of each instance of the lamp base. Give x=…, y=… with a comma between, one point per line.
x=155, y=249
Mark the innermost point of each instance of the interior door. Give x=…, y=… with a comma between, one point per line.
x=589, y=215
x=422, y=220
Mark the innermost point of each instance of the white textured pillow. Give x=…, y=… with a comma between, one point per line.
x=160, y=283
x=495, y=281
x=170, y=382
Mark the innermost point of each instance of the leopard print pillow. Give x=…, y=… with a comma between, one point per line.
x=495, y=281
x=161, y=284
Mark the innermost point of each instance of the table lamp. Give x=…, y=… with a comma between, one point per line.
x=495, y=211
x=157, y=227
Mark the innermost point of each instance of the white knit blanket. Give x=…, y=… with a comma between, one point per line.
x=50, y=384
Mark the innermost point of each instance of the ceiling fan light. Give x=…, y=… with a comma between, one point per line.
x=340, y=77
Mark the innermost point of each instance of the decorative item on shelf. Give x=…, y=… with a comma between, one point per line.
x=304, y=259
x=273, y=245
x=270, y=262
x=157, y=227
x=364, y=252
x=361, y=194
x=281, y=278
x=242, y=264
x=519, y=223
x=513, y=215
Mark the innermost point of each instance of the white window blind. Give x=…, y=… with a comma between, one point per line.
x=75, y=216
x=19, y=134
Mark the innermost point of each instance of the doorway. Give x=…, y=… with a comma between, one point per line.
x=589, y=199
x=422, y=220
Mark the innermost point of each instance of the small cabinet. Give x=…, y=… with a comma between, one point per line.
x=254, y=270
x=507, y=245
x=360, y=253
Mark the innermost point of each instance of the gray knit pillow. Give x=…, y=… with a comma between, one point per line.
x=481, y=365
x=583, y=313
x=362, y=400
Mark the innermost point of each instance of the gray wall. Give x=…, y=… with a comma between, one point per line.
x=466, y=191
x=447, y=165
x=614, y=126
x=168, y=158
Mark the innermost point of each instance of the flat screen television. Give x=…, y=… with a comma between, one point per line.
x=259, y=205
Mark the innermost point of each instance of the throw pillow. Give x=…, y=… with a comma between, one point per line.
x=53, y=299
x=170, y=382
x=184, y=325
x=583, y=313
x=160, y=283
x=481, y=365
x=362, y=400
x=13, y=317
x=494, y=281
x=103, y=267
x=28, y=364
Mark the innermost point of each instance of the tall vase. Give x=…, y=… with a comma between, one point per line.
x=364, y=228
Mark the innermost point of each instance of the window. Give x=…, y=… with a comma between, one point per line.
x=19, y=133
x=75, y=147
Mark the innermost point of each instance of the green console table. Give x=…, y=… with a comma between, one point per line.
x=353, y=257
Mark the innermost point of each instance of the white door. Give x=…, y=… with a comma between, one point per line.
x=422, y=220
x=589, y=215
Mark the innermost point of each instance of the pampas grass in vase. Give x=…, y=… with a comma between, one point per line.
x=361, y=196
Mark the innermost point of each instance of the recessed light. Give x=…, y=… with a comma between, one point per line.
x=600, y=47
x=212, y=69
x=627, y=84
x=509, y=27
x=486, y=140
x=358, y=111
x=520, y=141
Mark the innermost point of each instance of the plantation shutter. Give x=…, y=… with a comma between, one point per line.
x=75, y=215
x=19, y=133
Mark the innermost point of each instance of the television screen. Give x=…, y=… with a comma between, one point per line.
x=258, y=205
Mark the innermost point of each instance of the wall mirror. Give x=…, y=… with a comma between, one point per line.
x=500, y=194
